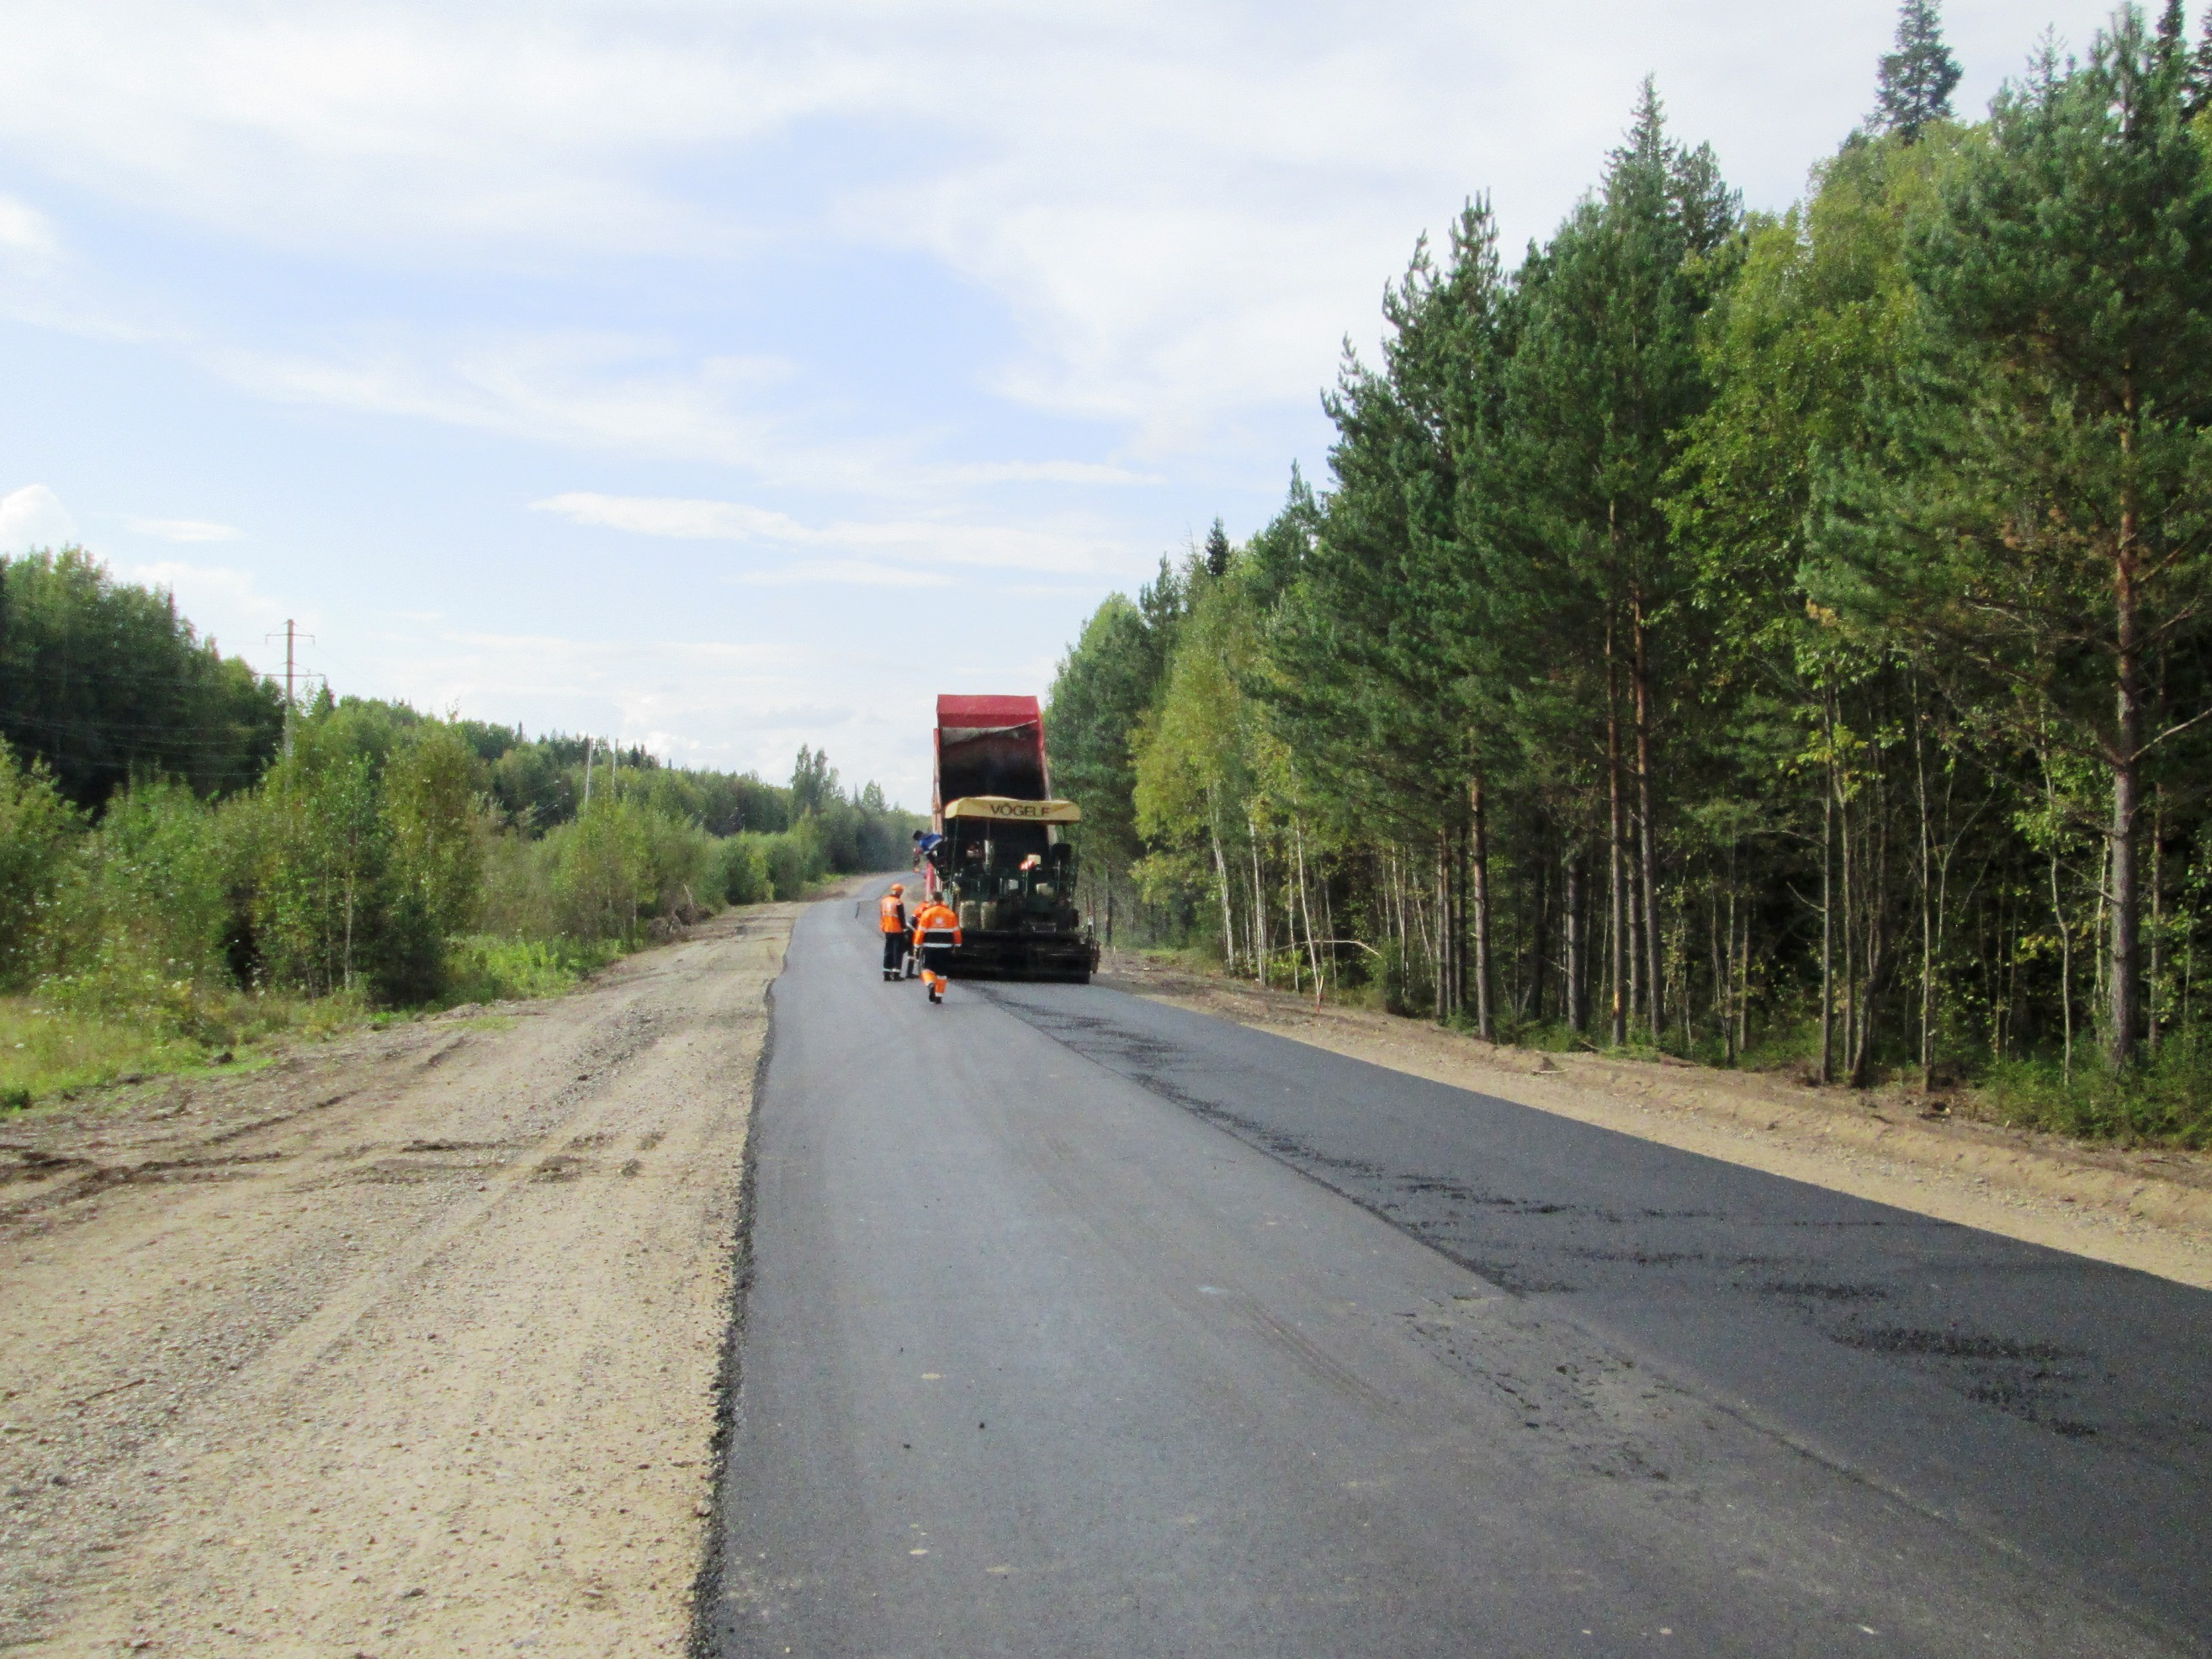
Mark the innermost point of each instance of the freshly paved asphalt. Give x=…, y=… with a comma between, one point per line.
x=1082, y=1324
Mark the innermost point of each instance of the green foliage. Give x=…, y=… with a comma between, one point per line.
x=2032, y=527
x=2057, y=409
x=374, y=865
x=1918, y=78
x=2166, y=1101
x=52, y=1045
x=1779, y=641
x=38, y=833
x=1103, y=686
x=171, y=889
x=484, y=967
x=103, y=681
x=602, y=873
x=323, y=851
x=146, y=915
x=796, y=861
x=2197, y=78
x=742, y=874
x=618, y=869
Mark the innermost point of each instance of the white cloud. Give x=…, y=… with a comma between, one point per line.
x=183, y=530
x=1182, y=208
x=351, y=126
x=1072, y=472
x=34, y=516
x=1184, y=205
x=919, y=540
x=685, y=521
x=597, y=390
x=721, y=703
x=24, y=229
x=227, y=605
x=850, y=572
x=630, y=394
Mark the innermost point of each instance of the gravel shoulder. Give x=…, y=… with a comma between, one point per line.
x=2149, y=1211
x=407, y=1345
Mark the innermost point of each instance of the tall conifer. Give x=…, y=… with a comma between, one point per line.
x=2049, y=552
x=2197, y=84
x=1602, y=385
x=1918, y=78
x=1216, y=551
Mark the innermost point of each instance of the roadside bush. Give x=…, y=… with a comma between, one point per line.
x=323, y=851
x=602, y=872
x=369, y=866
x=2166, y=1101
x=142, y=921
x=796, y=859
x=604, y=877
x=39, y=832
x=679, y=861
x=751, y=868
x=487, y=969
x=158, y=872
x=433, y=833
x=170, y=889
x=741, y=870
x=516, y=902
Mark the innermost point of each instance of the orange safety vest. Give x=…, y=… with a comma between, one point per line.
x=935, y=918
x=893, y=910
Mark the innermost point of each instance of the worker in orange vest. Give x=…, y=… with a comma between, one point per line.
x=936, y=931
x=891, y=910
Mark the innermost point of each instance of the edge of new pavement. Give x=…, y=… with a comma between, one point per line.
x=2149, y=1210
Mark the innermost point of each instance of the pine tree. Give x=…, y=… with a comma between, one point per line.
x=1217, y=551
x=1603, y=381
x=2050, y=555
x=2173, y=27
x=2197, y=84
x=1917, y=79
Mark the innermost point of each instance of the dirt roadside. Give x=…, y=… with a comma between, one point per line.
x=409, y=1345
x=2150, y=1211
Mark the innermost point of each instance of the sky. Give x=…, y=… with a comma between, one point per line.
x=723, y=377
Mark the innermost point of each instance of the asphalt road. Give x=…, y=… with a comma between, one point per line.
x=1082, y=1324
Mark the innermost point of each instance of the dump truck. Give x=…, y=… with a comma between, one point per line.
x=997, y=852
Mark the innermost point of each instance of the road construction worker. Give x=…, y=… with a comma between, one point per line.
x=891, y=917
x=936, y=931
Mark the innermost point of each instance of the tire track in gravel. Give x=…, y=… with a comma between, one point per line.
x=409, y=1345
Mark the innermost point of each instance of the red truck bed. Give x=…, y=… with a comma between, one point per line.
x=989, y=746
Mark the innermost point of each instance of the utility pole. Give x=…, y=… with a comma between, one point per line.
x=291, y=702
x=587, y=773
x=292, y=675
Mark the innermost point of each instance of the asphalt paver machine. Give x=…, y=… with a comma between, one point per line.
x=997, y=853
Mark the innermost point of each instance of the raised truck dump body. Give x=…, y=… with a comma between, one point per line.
x=1002, y=864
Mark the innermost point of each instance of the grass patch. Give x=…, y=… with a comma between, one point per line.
x=90, y=1031
x=484, y=969
x=48, y=1051
x=2165, y=1102
x=1550, y=1036
x=44, y=1052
